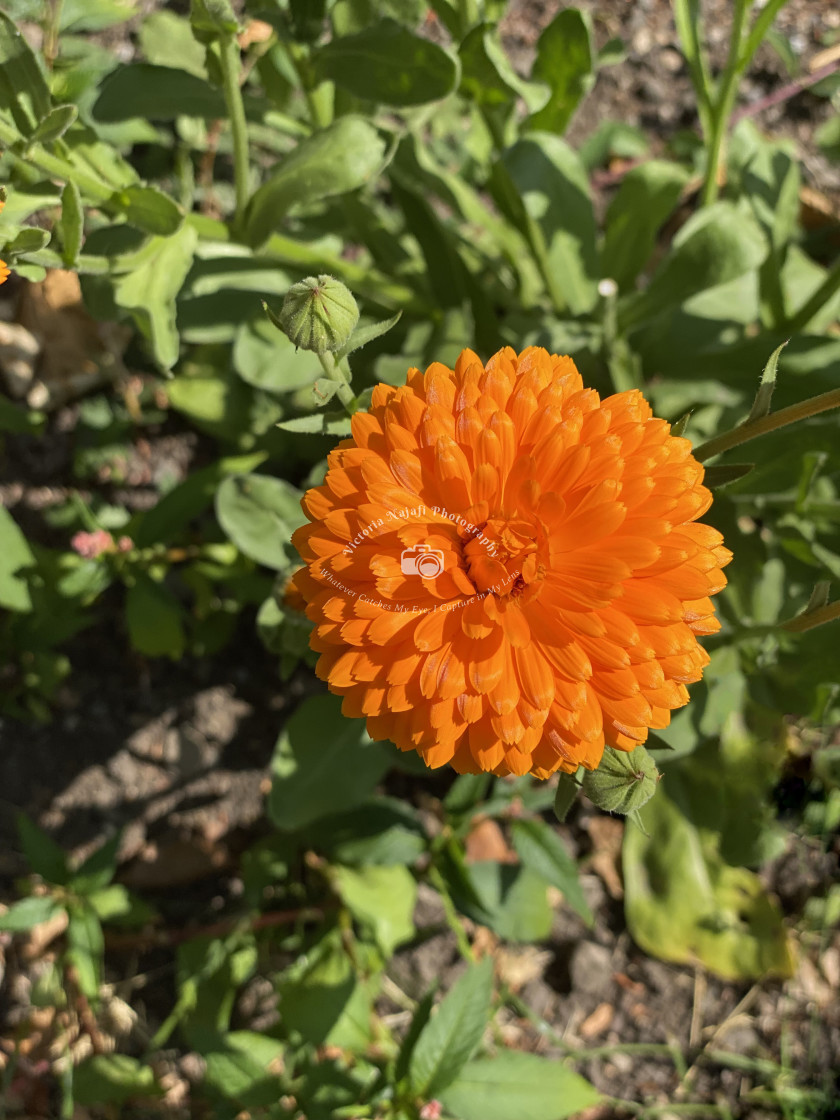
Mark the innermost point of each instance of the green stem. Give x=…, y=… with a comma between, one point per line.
x=688, y=30
x=55, y=166
x=771, y=423
x=231, y=64
x=759, y=29
x=452, y=917
x=723, y=104
x=829, y=287
x=829, y=613
x=336, y=373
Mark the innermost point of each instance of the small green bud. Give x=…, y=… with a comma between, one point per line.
x=319, y=314
x=623, y=781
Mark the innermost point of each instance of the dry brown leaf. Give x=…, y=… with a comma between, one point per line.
x=598, y=1022
x=606, y=834
x=486, y=841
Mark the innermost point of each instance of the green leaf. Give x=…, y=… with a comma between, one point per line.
x=112, y=1079
x=155, y=277
x=99, y=868
x=23, y=86
x=14, y=555
x=169, y=518
x=684, y=904
x=154, y=620
x=715, y=246
x=366, y=333
x=149, y=209
x=44, y=856
x=29, y=239
x=241, y=1071
x=381, y=898
x=645, y=199
x=725, y=473
x=320, y=996
x=28, y=913
x=564, y=62
x=761, y=404
x=453, y=1033
x=267, y=359
x=490, y=82
x=72, y=224
x=541, y=849
x=541, y=185
x=94, y=15
x=514, y=901
x=212, y=19
x=323, y=763
x=85, y=948
x=319, y=423
x=340, y=158
x=54, y=124
x=380, y=832
x=114, y=903
x=517, y=1084
x=157, y=93
x=166, y=39
x=389, y=64
x=259, y=514
x=564, y=799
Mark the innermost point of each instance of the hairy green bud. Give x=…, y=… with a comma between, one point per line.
x=318, y=314
x=623, y=782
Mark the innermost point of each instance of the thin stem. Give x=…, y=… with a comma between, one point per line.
x=56, y=166
x=810, y=619
x=688, y=31
x=723, y=104
x=336, y=373
x=453, y=919
x=745, y=432
x=759, y=29
x=231, y=63
x=812, y=306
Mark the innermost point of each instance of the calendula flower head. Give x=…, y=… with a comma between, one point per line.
x=505, y=572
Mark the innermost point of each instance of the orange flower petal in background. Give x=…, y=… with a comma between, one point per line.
x=4, y=272
x=505, y=572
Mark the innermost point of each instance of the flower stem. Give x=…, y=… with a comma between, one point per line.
x=810, y=619
x=231, y=64
x=335, y=372
x=723, y=103
x=771, y=423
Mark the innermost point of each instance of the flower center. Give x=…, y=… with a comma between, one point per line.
x=504, y=558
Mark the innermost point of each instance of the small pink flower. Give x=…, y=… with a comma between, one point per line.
x=91, y=545
x=125, y=544
x=431, y=1110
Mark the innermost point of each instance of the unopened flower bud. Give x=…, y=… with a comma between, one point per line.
x=623, y=782
x=318, y=314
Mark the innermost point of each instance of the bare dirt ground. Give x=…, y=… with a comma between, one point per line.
x=176, y=754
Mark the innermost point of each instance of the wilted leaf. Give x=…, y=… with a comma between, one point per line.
x=684, y=904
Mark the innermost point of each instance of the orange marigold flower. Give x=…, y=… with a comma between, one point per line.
x=4, y=272
x=505, y=572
